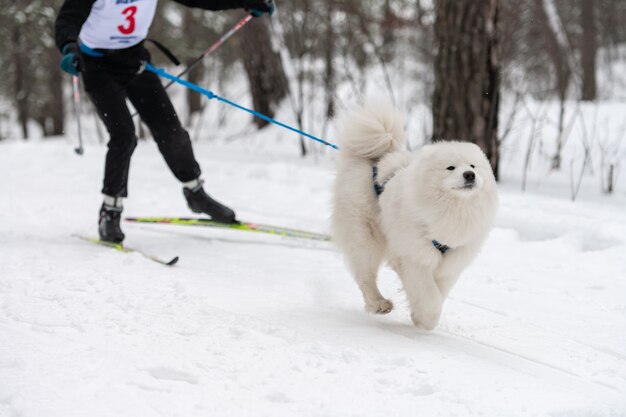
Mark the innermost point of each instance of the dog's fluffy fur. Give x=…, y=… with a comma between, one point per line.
x=424, y=199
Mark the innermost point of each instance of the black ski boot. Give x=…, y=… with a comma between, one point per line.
x=109, y=224
x=200, y=202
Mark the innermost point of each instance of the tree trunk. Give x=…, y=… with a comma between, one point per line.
x=191, y=23
x=589, y=47
x=56, y=107
x=557, y=50
x=388, y=27
x=21, y=89
x=264, y=68
x=467, y=79
x=329, y=68
x=194, y=99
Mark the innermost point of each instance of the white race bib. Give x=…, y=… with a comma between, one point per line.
x=117, y=24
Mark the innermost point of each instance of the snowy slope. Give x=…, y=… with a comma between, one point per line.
x=251, y=325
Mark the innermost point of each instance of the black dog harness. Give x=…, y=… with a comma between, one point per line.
x=441, y=247
x=379, y=188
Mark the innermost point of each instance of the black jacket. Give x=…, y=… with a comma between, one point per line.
x=74, y=13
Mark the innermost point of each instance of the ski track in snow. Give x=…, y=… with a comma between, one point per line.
x=248, y=324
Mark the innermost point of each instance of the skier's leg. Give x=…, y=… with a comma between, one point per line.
x=109, y=98
x=108, y=95
x=155, y=108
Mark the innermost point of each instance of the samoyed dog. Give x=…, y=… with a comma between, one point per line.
x=425, y=213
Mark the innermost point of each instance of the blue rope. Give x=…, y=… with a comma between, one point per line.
x=162, y=73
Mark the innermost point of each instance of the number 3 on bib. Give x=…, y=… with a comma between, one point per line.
x=129, y=28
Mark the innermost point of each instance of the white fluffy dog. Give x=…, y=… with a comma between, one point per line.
x=427, y=213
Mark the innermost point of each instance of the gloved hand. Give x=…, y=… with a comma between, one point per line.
x=72, y=60
x=258, y=8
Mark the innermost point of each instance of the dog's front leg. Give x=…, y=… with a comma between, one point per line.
x=423, y=294
x=452, y=265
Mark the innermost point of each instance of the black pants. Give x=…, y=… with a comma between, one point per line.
x=109, y=81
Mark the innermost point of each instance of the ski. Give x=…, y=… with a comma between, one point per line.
x=243, y=226
x=121, y=248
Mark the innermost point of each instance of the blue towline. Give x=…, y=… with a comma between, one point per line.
x=162, y=73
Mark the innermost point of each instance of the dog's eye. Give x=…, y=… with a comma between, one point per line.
x=472, y=166
x=450, y=168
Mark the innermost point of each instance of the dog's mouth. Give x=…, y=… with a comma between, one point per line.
x=467, y=186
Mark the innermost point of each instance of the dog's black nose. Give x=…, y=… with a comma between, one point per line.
x=469, y=176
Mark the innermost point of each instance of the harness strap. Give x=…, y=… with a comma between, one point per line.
x=441, y=247
x=90, y=51
x=99, y=53
x=378, y=188
x=165, y=51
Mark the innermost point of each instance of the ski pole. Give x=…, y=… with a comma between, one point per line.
x=76, y=92
x=212, y=48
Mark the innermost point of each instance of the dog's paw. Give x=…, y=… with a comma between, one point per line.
x=381, y=306
x=425, y=321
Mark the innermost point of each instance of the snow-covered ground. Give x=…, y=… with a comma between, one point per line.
x=253, y=325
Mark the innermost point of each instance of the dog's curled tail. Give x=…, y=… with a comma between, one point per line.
x=372, y=130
